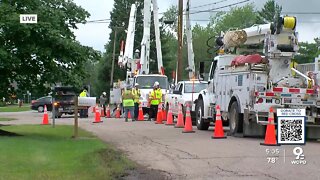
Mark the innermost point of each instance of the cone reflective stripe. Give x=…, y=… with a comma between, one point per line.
x=218, y=128
x=159, y=114
x=140, y=115
x=97, y=118
x=270, y=137
x=45, y=119
x=169, y=116
x=188, y=125
x=180, y=123
x=118, y=112
x=108, y=115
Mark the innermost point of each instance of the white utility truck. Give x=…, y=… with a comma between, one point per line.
x=255, y=77
x=138, y=69
x=185, y=92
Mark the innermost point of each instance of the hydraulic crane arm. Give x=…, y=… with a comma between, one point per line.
x=191, y=67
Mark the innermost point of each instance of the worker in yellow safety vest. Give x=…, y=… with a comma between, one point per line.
x=136, y=93
x=128, y=103
x=155, y=99
x=83, y=111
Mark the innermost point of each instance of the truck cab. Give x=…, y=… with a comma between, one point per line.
x=146, y=82
x=185, y=92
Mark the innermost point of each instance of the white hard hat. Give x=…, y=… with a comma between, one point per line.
x=136, y=84
x=156, y=83
x=104, y=93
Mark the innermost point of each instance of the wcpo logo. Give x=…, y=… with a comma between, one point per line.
x=28, y=18
x=298, y=152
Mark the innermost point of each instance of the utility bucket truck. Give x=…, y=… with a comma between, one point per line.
x=138, y=69
x=256, y=77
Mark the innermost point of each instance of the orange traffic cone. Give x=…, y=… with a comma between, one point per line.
x=108, y=115
x=140, y=115
x=169, y=116
x=102, y=112
x=159, y=115
x=129, y=115
x=118, y=112
x=180, y=123
x=270, y=137
x=164, y=115
x=218, y=128
x=97, y=116
x=45, y=119
x=188, y=125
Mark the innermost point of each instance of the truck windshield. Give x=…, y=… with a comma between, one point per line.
x=146, y=82
x=194, y=87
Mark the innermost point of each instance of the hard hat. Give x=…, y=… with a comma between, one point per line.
x=156, y=84
x=136, y=84
x=104, y=93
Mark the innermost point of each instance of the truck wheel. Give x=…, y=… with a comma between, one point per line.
x=236, y=119
x=201, y=124
x=40, y=109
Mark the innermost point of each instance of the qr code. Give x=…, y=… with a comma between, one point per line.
x=291, y=130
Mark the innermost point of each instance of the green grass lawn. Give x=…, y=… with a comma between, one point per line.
x=6, y=119
x=15, y=108
x=43, y=152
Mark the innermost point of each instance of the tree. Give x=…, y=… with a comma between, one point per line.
x=38, y=55
x=238, y=17
x=171, y=14
x=269, y=12
x=307, y=52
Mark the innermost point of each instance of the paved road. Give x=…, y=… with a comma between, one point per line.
x=195, y=156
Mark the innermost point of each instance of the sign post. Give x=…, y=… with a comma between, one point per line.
x=76, y=123
x=81, y=103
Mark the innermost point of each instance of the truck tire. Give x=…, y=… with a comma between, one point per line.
x=201, y=124
x=236, y=119
x=40, y=109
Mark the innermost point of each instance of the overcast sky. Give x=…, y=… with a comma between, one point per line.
x=96, y=35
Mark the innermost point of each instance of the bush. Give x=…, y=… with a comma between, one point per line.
x=2, y=104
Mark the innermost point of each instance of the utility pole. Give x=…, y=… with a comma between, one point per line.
x=180, y=26
x=113, y=57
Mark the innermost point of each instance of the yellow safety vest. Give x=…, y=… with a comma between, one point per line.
x=127, y=99
x=155, y=97
x=136, y=94
x=83, y=94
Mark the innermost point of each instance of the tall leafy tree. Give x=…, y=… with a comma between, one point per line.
x=38, y=55
x=269, y=12
x=238, y=17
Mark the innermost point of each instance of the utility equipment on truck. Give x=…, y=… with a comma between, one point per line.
x=138, y=70
x=258, y=76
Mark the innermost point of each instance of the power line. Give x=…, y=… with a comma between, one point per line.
x=229, y=5
x=204, y=5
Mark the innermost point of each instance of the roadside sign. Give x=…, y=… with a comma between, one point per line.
x=86, y=101
x=291, y=112
x=291, y=126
